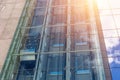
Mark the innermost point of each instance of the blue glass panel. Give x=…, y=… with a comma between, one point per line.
x=37, y=20
x=58, y=45
x=26, y=69
x=55, y=73
x=83, y=72
x=112, y=46
x=114, y=62
x=34, y=32
x=115, y=73
x=113, y=52
x=81, y=43
x=29, y=50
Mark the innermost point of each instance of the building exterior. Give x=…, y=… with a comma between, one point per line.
x=63, y=40
x=10, y=11
x=109, y=11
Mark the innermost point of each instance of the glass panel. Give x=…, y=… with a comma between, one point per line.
x=58, y=10
x=82, y=38
x=112, y=45
x=55, y=39
x=110, y=33
x=26, y=70
x=119, y=32
x=52, y=66
x=114, y=60
x=31, y=39
x=116, y=11
x=107, y=22
x=85, y=66
x=41, y=3
x=114, y=4
x=39, y=11
x=103, y=4
x=57, y=19
x=115, y=73
x=105, y=12
x=59, y=2
x=117, y=19
x=38, y=20
x=78, y=3
x=78, y=15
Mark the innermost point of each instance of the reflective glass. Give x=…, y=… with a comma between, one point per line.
x=119, y=31
x=114, y=60
x=112, y=44
x=55, y=39
x=103, y=4
x=78, y=15
x=52, y=66
x=116, y=11
x=114, y=4
x=107, y=22
x=84, y=65
x=105, y=12
x=59, y=2
x=31, y=39
x=115, y=73
x=117, y=19
x=110, y=33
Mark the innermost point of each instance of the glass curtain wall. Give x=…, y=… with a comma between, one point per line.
x=109, y=11
x=60, y=42
x=31, y=40
x=70, y=47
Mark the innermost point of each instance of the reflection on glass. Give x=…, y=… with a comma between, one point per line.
x=103, y=4
x=107, y=22
x=84, y=66
x=110, y=33
x=116, y=11
x=113, y=50
x=114, y=4
x=59, y=2
x=55, y=39
x=52, y=66
x=26, y=70
x=117, y=19
x=115, y=73
x=105, y=12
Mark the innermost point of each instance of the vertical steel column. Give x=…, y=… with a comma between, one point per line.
x=68, y=73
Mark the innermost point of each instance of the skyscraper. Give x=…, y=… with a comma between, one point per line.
x=58, y=40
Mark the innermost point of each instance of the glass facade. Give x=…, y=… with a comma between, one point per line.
x=57, y=40
x=109, y=12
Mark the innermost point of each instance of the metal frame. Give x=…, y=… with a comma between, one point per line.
x=14, y=52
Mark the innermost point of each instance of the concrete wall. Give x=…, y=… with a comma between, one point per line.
x=10, y=11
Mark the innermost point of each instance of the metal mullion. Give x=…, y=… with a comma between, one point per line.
x=58, y=52
x=68, y=73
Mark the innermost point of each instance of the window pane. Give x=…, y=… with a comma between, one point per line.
x=107, y=22
x=117, y=20
x=115, y=73
x=110, y=33
x=114, y=3
x=112, y=44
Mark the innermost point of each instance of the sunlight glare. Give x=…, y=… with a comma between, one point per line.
x=100, y=2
